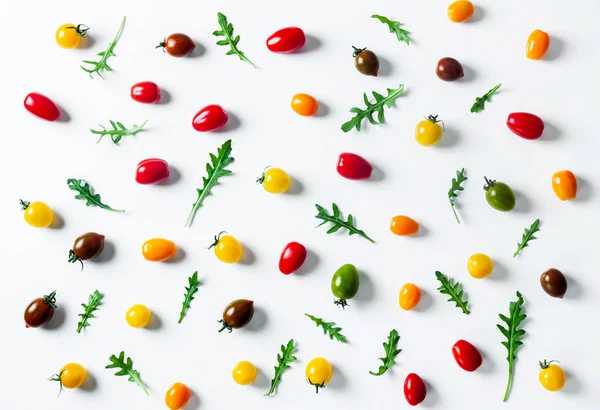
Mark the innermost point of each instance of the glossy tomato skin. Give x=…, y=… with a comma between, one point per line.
x=410, y=296
x=41, y=106
x=177, y=396
x=286, y=40
x=145, y=92
x=537, y=45
x=344, y=284
x=466, y=355
x=460, y=11
x=158, y=249
x=152, y=171
x=292, y=257
x=525, y=125
x=414, y=389
x=564, y=185
x=449, y=69
x=210, y=118
x=304, y=104
x=88, y=246
x=40, y=311
x=499, y=195
x=352, y=166
x=237, y=314
x=178, y=45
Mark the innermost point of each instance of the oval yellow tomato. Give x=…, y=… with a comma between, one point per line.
x=480, y=265
x=429, y=132
x=410, y=296
x=460, y=11
x=305, y=105
x=227, y=248
x=552, y=377
x=318, y=372
x=404, y=225
x=70, y=35
x=158, y=249
x=275, y=180
x=138, y=316
x=244, y=373
x=537, y=45
x=177, y=396
x=37, y=214
x=564, y=185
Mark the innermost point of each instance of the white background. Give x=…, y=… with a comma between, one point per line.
x=409, y=179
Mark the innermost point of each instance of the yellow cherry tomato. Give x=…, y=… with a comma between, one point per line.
x=177, y=396
x=410, y=296
x=138, y=316
x=305, y=105
x=537, y=45
x=244, y=373
x=429, y=132
x=318, y=372
x=71, y=376
x=460, y=11
x=275, y=180
x=564, y=185
x=480, y=265
x=37, y=214
x=158, y=250
x=551, y=376
x=70, y=35
x=403, y=225
x=227, y=248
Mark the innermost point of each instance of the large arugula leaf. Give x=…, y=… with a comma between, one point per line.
x=329, y=328
x=94, y=300
x=85, y=192
x=453, y=290
x=394, y=26
x=513, y=335
x=126, y=366
x=230, y=40
x=194, y=283
x=391, y=351
x=373, y=108
x=338, y=222
x=283, y=363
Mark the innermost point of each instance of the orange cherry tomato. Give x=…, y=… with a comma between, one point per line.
x=305, y=105
x=409, y=297
x=564, y=185
x=403, y=225
x=537, y=44
x=158, y=249
x=460, y=11
x=177, y=396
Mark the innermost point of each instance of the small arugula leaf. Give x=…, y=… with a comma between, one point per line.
x=119, y=131
x=513, y=335
x=453, y=191
x=214, y=172
x=106, y=54
x=85, y=192
x=329, y=329
x=338, y=222
x=479, y=104
x=394, y=27
x=373, y=108
x=94, y=300
x=283, y=363
x=126, y=366
x=391, y=351
x=194, y=283
x=230, y=40
x=528, y=236
x=453, y=290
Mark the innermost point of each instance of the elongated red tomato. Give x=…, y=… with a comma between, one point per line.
x=41, y=106
x=152, y=171
x=210, y=118
x=292, y=257
x=414, y=389
x=145, y=92
x=286, y=40
x=525, y=125
x=352, y=166
x=466, y=355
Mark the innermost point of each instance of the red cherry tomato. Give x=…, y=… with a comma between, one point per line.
x=286, y=40
x=525, y=125
x=414, y=389
x=41, y=106
x=466, y=355
x=210, y=118
x=152, y=171
x=145, y=92
x=352, y=166
x=292, y=257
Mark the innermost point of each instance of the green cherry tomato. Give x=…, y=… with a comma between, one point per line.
x=344, y=284
x=499, y=195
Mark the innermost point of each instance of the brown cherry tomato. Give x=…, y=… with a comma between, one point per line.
x=449, y=69
x=564, y=185
x=237, y=314
x=554, y=283
x=460, y=11
x=365, y=61
x=177, y=45
x=404, y=225
x=87, y=246
x=40, y=311
x=537, y=45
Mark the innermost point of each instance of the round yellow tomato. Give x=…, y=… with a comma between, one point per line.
x=138, y=316
x=71, y=376
x=177, y=396
x=227, y=248
x=551, y=376
x=429, y=132
x=244, y=373
x=564, y=185
x=275, y=180
x=318, y=372
x=305, y=105
x=480, y=265
x=410, y=296
x=70, y=35
x=460, y=11
x=37, y=214
x=158, y=250
x=537, y=44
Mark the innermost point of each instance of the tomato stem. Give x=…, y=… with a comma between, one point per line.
x=57, y=378
x=545, y=364
x=162, y=44
x=80, y=31
x=357, y=51
x=24, y=204
x=317, y=386
x=51, y=299
x=341, y=302
x=225, y=326
x=74, y=258
x=217, y=239
x=489, y=183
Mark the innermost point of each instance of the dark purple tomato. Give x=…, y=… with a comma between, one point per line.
x=352, y=166
x=449, y=69
x=40, y=311
x=237, y=314
x=554, y=283
x=286, y=40
x=87, y=246
x=365, y=61
x=177, y=45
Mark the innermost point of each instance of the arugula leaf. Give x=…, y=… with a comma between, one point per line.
x=85, y=192
x=394, y=27
x=106, y=54
x=329, y=329
x=513, y=334
x=214, y=172
x=453, y=191
x=94, y=300
x=194, y=283
x=528, y=236
x=338, y=221
x=283, y=363
x=230, y=40
x=479, y=104
x=119, y=131
x=372, y=108
x=453, y=290
x=126, y=367
x=391, y=351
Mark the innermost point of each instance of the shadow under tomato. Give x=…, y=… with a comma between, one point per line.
x=385, y=67
x=165, y=97
x=557, y=48
x=178, y=257
x=310, y=263
x=522, y=204
x=174, y=177
x=312, y=43
x=194, y=402
x=585, y=190
x=57, y=221
x=58, y=318
x=572, y=384
x=262, y=380
x=432, y=398
x=259, y=320
x=199, y=51
x=155, y=322
x=366, y=288
x=107, y=253
x=499, y=272
x=487, y=364
x=248, y=257
x=323, y=110
x=232, y=124
x=64, y=116
x=296, y=187
x=338, y=380
x=425, y=303
x=477, y=16
x=574, y=288
x=90, y=383
x=450, y=138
